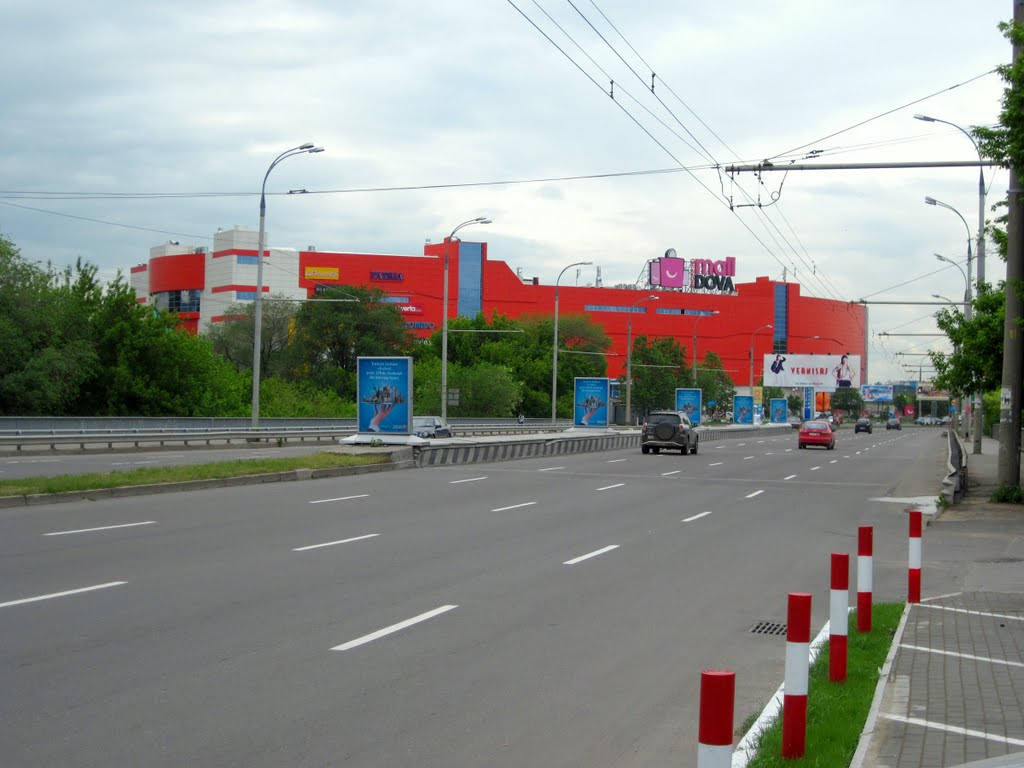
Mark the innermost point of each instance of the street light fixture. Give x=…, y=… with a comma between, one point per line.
x=444, y=314
x=629, y=356
x=257, y=336
x=554, y=361
x=967, y=285
x=697, y=320
x=975, y=398
x=763, y=327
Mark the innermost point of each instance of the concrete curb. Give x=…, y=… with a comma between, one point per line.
x=864, y=744
x=404, y=461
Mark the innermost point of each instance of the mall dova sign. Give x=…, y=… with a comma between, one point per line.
x=714, y=275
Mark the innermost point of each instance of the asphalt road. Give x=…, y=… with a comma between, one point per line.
x=544, y=612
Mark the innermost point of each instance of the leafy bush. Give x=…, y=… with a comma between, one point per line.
x=1008, y=494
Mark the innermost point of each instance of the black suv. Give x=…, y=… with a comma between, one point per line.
x=862, y=425
x=670, y=430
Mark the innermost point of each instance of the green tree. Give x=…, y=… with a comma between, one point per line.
x=976, y=364
x=715, y=384
x=233, y=337
x=659, y=368
x=796, y=404
x=848, y=400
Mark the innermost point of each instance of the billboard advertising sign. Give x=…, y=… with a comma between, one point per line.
x=689, y=401
x=779, y=408
x=591, y=399
x=384, y=394
x=876, y=393
x=808, y=403
x=743, y=409
x=823, y=372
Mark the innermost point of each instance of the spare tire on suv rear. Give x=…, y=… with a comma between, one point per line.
x=665, y=430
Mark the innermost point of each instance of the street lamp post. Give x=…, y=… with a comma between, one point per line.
x=629, y=356
x=975, y=398
x=444, y=314
x=752, y=335
x=976, y=426
x=554, y=360
x=257, y=336
x=696, y=320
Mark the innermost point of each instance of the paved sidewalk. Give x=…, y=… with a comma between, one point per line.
x=954, y=693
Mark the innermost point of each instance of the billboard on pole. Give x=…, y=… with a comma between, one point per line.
x=823, y=372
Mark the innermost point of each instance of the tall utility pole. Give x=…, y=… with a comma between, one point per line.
x=1013, y=348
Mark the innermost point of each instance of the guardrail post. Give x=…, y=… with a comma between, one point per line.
x=839, y=617
x=794, y=700
x=717, y=699
x=914, y=569
x=865, y=565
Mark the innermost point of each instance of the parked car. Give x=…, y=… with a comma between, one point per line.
x=816, y=432
x=431, y=426
x=670, y=430
x=893, y=424
x=863, y=425
x=795, y=422
x=927, y=421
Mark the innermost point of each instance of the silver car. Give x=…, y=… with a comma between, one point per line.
x=431, y=426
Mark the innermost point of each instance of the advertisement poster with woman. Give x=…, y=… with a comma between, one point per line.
x=826, y=373
x=778, y=410
x=689, y=402
x=384, y=394
x=743, y=409
x=591, y=399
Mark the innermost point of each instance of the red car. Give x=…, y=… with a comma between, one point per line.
x=816, y=432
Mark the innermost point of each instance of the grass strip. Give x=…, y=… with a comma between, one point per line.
x=837, y=712
x=149, y=475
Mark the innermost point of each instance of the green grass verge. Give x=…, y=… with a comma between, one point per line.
x=148, y=475
x=837, y=712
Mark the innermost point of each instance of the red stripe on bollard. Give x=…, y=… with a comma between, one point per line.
x=794, y=701
x=717, y=700
x=914, y=559
x=865, y=564
x=839, y=620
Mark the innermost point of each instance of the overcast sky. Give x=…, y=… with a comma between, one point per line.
x=106, y=104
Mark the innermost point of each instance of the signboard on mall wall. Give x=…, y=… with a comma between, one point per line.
x=715, y=276
x=825, y=373
x=590, y=396
x=320, y=273
x=384, y=394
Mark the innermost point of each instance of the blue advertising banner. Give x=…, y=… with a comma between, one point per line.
x=808, y=403
x=743, y=409
x=384, y=394
x=876, y=393
x=779, y=409
x=591, y=398
x=689, y=401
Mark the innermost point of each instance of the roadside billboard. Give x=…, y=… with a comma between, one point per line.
x=876, y=393
x=743, y=409
x=823, y=372
x=590, y=396
x=384, y=394
x=689, y=401
x=779, y=410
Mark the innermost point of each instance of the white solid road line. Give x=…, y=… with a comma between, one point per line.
x=61, y=594
x=514, y=506
x=755, y=493
x=962, y=655
x=789, y=477
x=1005, y=616
x=103, y=528
x=549, y=469
x=467, y=480
x=673, y=472
x=696, y=517
x=332, y=543
x=609, y=487
x=393, y=628
x=954, y=729
x=589, y=555
x=340, y=498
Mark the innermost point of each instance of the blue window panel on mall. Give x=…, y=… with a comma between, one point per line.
x=471, y=279
x=246, y=260
x=245, y=296
x=780, y=322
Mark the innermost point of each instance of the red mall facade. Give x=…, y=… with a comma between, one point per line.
x=199, y=285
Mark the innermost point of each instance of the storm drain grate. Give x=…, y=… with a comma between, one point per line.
x=773, y=628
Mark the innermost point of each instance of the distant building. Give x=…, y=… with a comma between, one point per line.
x=200, y=285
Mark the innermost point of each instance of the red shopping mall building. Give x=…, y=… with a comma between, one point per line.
x=698, y=300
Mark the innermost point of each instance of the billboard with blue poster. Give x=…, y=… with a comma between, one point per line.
x=779, y=408
x=743, y=409
x=384, y=394
x=591, y=402
x=689, y=401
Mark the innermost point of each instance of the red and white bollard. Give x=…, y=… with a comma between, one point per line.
x=914, y=571
x=838, y=617
x=717, y=698
x=794, y=700
x=864, y=566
